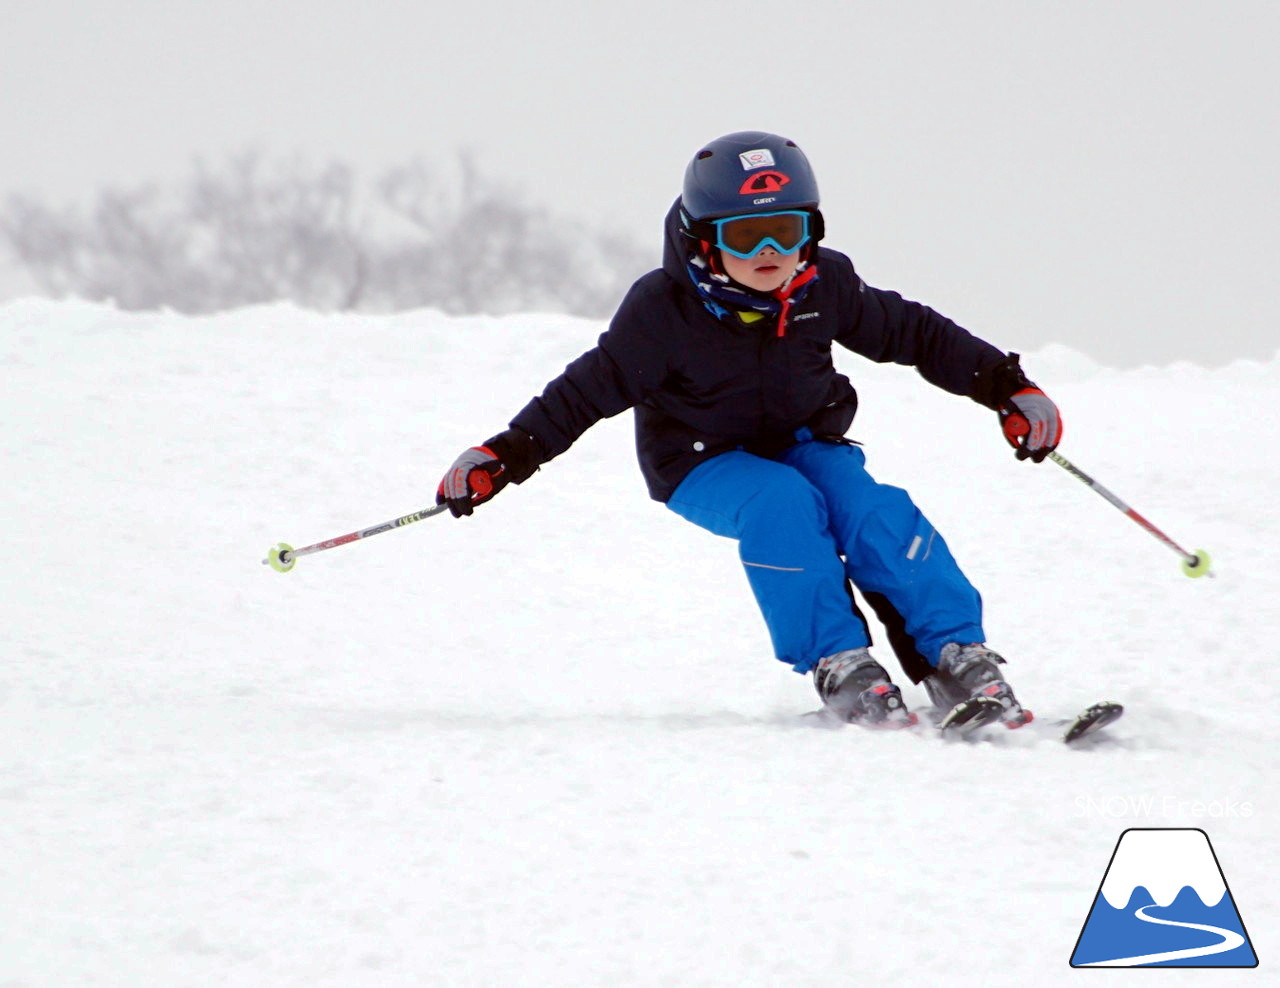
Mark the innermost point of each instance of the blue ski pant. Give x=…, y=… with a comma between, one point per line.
x=813, y=516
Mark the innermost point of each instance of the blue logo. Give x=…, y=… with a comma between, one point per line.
x=1163, y=902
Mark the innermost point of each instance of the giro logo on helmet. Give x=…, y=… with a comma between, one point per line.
x=764, y=182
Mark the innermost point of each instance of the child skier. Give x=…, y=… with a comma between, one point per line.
x=725, y=354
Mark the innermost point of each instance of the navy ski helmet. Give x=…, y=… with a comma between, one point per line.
x=747, y=172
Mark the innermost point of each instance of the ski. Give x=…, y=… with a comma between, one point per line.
x=969, y=715
x=1092, y=719
x=968, y=718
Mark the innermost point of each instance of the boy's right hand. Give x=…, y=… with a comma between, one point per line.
x=475, y=477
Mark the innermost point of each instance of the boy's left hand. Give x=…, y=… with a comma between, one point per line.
x=1031, y=423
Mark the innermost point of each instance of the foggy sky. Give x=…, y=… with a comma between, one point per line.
x=1096, y=174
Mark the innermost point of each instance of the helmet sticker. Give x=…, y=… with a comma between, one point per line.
x=764, y=182
x=762, y=158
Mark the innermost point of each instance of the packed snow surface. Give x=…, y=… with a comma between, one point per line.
x=548, y=744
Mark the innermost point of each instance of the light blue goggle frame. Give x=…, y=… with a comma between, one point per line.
x=765, y=241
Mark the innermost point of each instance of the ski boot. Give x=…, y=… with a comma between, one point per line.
x=967, y=685
x=855, y=689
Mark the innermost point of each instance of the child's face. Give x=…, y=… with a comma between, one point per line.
x=765, y=271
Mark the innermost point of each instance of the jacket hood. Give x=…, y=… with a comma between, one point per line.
x=675, y=249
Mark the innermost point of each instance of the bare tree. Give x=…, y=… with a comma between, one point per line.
x=252, y=230
x=278, y=232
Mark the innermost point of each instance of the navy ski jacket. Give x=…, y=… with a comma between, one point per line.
x=701, y=385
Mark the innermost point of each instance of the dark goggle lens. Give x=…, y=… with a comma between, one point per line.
x=746, y=235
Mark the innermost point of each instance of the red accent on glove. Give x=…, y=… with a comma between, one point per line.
x=1015, y=426
x=480, y=482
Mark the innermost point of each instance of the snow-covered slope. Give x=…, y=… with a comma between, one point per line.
x=547, y=745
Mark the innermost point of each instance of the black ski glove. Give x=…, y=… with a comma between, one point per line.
x=482, y=471
x=1030, y=420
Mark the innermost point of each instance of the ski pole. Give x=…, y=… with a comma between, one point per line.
x=281, y=557
x=1193, y=564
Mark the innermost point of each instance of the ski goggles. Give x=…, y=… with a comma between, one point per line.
x=786, y=231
